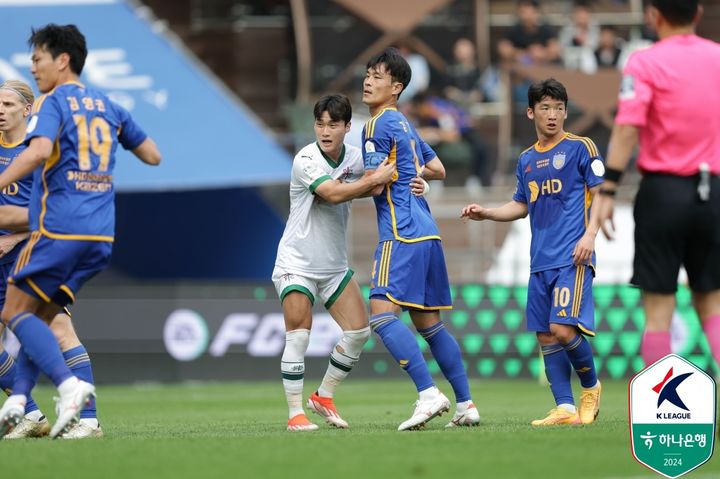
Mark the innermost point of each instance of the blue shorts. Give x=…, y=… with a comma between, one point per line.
x=5, y=270
x=55, y=270
x=561, y=296
x=412, y=275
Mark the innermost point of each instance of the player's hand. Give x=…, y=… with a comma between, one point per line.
x=606, y=209
x=384, y=173
x=474, y=212
x=418, y=186
x=582, y=254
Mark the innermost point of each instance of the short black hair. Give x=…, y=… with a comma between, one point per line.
x=395, y=64
x=677, y=12
x=531, y=3
x=337, y=105
x=58, y=39
x=550, y=88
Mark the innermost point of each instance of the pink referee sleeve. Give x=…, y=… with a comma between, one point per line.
x=635, y=94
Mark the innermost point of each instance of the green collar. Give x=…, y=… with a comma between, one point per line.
x=330, y=160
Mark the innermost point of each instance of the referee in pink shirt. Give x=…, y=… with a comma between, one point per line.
x=670, y=103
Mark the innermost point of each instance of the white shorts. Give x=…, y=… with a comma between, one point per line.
x=326, y=286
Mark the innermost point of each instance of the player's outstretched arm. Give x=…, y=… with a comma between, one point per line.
x=337, y=192
x=33, y=156
x=13, y=218
x=510, y=211
x=148, y=152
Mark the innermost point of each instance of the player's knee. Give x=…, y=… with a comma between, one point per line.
x=546, y=339
x=355, y=340
x=6, y=316
x=563, y=333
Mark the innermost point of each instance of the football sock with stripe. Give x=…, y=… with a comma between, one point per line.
x=447, y=353
x=344, y=356
x=39, y=343
x=401, y=344
x=580, y=354
x=8, y=370
x=78, y=361
x=558, y=370
x=292, y=367
x=655, y=345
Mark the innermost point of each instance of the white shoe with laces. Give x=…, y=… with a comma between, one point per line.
x=84, y=430
x=425, y=411
x=29, y=429
x=69, y=405
x=468, y=417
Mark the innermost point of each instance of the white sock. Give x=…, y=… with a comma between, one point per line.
x=344, y=356
x=90, y=422
x=429, y=394
x=293, y=368
x=568, y=407
x=34, y=416
x=463, y=406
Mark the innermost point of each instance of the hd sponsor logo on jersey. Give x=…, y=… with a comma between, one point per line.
x=672, y=416
x=186, y=335
x=547, y=187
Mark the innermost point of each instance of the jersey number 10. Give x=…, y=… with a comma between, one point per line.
x=95, y=138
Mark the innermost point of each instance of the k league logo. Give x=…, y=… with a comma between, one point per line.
x=672, y=416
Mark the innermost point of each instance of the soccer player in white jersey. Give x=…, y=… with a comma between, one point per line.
x=312, y=258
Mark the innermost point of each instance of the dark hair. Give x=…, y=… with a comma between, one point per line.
x=530, y=3
x=582, y=4
x=337, y=105
x=58, y=39
x=395, y=64
x=547, y=88
x=677, y=12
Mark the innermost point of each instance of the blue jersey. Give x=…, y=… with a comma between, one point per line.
x=73, y=195
x=554, y=182
x=401, y=215
x=16, y=194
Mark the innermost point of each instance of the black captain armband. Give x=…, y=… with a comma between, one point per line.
x=607, y=192
x=611, y=174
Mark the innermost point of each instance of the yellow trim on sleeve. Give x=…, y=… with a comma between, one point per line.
x=68, y=291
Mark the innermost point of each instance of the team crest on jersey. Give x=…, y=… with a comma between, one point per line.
x=369, y=147
x=346, y=173
x=558, y=160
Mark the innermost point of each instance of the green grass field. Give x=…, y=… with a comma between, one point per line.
x=237, y=430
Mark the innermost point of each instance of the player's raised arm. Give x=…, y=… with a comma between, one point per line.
x=148, y=152
x=510, y=211
x=337, y=192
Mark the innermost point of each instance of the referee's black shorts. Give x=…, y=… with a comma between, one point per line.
x=673, y=227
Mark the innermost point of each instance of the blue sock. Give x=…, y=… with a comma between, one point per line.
x=558, y=370
x=26, y=374
x=78, y=361
x=447, y=353
x=581, y=357
x=40, y=344
x=8, y=370
x=403, y=347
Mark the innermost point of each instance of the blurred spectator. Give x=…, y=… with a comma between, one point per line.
x=463, y=75
x=529, y=41
x=580, y=39
x=420, y=79
x=440, y=121
x=608, y=52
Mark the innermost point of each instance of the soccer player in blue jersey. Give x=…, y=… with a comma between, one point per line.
x=16, y=99
x=409, y=272
x=72, y=137
x=556, y=181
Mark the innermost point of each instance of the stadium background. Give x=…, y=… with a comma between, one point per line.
x=226, y=88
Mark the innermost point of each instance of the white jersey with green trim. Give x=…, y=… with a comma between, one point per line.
x=314, y=240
